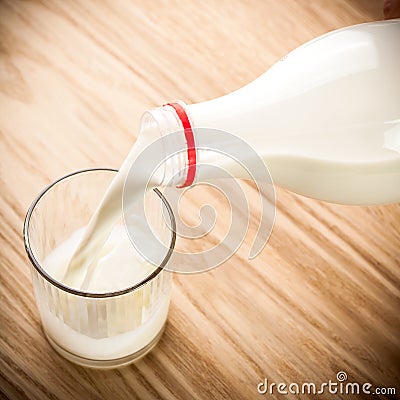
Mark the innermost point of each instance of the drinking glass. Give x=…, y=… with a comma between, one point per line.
x=101, y=330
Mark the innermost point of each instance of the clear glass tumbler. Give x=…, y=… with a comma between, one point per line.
x=102, y=330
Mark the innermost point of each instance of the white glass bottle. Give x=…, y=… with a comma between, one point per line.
x=325, y=118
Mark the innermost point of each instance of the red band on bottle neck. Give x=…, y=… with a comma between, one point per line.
x=191, y=146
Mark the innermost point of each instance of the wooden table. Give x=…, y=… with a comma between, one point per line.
x=322, y=297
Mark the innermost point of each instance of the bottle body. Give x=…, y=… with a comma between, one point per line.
x=326, y=118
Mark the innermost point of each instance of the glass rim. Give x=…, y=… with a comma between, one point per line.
x=78, y=292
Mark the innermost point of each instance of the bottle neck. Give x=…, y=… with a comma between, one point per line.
x=164, y=123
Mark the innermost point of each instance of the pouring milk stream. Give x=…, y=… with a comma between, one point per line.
x=325, y=119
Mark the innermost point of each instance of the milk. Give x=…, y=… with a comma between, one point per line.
x=116, y=267
x=101, y=224
x=110, y=328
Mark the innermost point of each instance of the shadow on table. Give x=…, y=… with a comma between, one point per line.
x=373, y=8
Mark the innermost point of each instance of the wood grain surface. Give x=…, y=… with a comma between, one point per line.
x=324, y=295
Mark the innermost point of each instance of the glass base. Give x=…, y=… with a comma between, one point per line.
x=105, y=364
